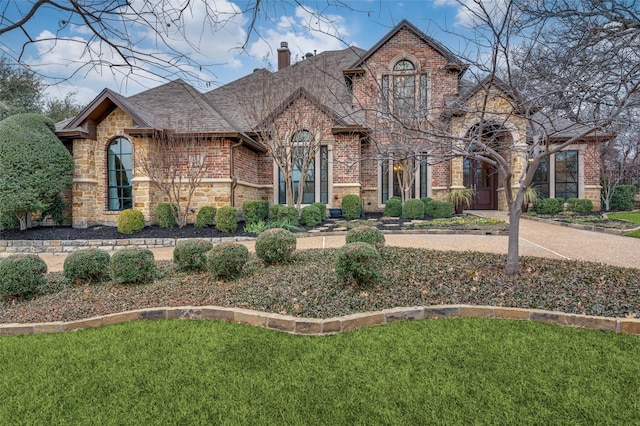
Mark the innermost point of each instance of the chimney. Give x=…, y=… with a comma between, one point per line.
x=284, y=55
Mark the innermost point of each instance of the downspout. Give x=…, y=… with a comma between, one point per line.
x=232, y=175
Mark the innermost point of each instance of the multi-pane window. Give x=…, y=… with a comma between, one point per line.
x=392, y=173
x=120, y=174
x=405, y=90
x=309, y=193
x=540, y=180
x=567, y=174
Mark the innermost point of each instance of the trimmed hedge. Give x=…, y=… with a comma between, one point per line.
x=323, y=209
x=22, y=274
x=226, y=261
x=548, y=205
x=310, y=216
x=132, y=266
x=579, y=205
x=130, y=221
x=273, y=211
x=87, y=266
x=164, y=215
x=439, y=209
x=227, y=219
x=275, y=246
x=426, y=201
x=623, y=198
x=358, y=263
x=366, y=234
x=289, y=215
x=413, y=209
x=351, y=206
x=205, y=216
x=254, y=211
x=393, y=207
x=190, y=255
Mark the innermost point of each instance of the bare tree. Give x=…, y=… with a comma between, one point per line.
x=176, y=163
x=619, y=161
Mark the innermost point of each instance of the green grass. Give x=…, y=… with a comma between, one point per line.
x=459, y=371
x=633, y=217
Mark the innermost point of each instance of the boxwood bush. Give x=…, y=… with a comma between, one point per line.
x=21, y=274
x=226, y=261
x=227, y=219
x=275, y=246
x=351, y=206
x=393, y=207
x=426, y=201
x=132, y=266
x=273, y=211
x=205, y=216
x=8, y=221
x=579, y=205
x=288, y=215
x=164, y=215
x=413, y=209
x=366, y=234
x=310, y=216
x=623, y=198
x=190, y=255
x=254, y=211
x=87, y=266
x=323, y=209
x=130, y=221
x=358, y=263
x=548, y=205
x=439, y=209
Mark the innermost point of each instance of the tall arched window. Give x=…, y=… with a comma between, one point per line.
x=120, y=174
x=405, y=90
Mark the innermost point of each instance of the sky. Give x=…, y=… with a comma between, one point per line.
x=212, y=39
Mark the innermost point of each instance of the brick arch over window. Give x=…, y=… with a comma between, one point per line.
x=405, y=88
x=119, y=174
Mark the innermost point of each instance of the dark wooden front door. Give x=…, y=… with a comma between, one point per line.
x=481, y=177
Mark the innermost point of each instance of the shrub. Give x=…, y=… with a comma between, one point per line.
x=393, y=207
x=130, y=221
x=132, y=266
x=351, y=206
x=226, y=260
x=439, y=209
x=227, y=219
x=255, y=210
x=548, y=205
x=366, y=234
x=190, y=255
x=8, y=221
x=623, y=198
x=310, y=216
x=530, y=197
x=87, y=266
x=426, y=201
x=413, y=209
x=459, y=197
x=164, y=215
x=256, y=228
x=273, y=211
x=323, y=210
x=358, y=263
x=288, y=215
x=579, y=205
x=21, y=274
x=55, y=210
x=205, y=216
x=275, y=246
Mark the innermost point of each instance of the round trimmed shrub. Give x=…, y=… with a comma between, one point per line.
x=164, y=215
x=205, y=216
x=254, y=211
x=87, y=266
x=439, y=209
x=579, y=205
x=426, y=201
x=289, y=215
x=310, y=216
x=623, y=197
x=358, y=263
x=351, y=206
x=132, y=266
x=323, y=209
x=226, y=260
x=393, y=207
x=275, y=246
x=273, y=211
x=413, y=209
x=548, y=205
x=227, y=219
x=190, y=255
x=130, y=221
x=366, y=234
x=21, y=274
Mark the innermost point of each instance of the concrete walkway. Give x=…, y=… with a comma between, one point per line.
x=536, y=239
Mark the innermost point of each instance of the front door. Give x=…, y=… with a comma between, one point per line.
x=481, y=177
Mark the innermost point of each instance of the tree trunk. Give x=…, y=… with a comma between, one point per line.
x=513, y=252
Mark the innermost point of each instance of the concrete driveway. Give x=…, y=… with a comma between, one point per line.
x=536, y=239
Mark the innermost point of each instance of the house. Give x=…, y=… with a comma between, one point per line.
x=343, y=99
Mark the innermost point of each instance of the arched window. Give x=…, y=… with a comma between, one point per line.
x=404, y=65
x=405, y=90
x=120, y=174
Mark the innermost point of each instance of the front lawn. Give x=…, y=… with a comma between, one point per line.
x=454, y=371
x=633, y=217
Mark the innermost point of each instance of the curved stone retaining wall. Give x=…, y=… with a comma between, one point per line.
x=313, y=326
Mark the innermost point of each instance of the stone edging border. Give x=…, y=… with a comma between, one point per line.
x=314, y=326
x=612, y=231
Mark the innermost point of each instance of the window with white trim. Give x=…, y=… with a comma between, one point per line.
x=405, y=90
